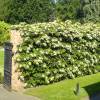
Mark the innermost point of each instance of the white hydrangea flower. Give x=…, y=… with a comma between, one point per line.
x=30, y=46
x=52, y=78
x=25, y=84
x=42, y=52
x=28, y=51
x=62, y=70
x=44, y=66
x=27, y=38
x=44, y=44
x=31, y=55
x=48, y=72
x=37, y=42
x=27, y=66
x=55, y=71
x=37, y=63
x=79, y=72
x=18, y=59
x=25, y=59
x=29, y=63
x=46, y=80
x=76, y=68
x=40, y=58
x=21, y=78
x=43, y=75
x=20, y=49
x=22, y=33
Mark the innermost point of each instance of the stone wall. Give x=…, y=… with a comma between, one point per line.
x=15, y=40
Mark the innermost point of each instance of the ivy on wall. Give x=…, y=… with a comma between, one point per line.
x=51, y=52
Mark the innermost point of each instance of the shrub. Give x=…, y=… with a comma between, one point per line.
x=4, y=33
x=90, y=10
x=54, y=51
x=1, y=78
x=67, y=9
x=30, y=11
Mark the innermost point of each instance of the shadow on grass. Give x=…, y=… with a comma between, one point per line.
x=93, y=91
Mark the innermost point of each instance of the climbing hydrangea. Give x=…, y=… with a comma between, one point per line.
x=54, y=51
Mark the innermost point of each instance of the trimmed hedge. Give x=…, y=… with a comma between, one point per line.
x=51, y=52
x=4, y=32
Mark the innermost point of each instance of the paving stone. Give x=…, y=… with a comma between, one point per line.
x=6, y=95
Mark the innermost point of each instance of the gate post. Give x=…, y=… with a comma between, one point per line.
x=16, y=83
x=11, y=75
x=7, y=65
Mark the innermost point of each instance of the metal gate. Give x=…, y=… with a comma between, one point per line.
x=7, y=65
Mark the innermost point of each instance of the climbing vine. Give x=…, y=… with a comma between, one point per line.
x=51, y=52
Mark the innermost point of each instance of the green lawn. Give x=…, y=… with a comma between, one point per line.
x=65, y=90
x=1, y=60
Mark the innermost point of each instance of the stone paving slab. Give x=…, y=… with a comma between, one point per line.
x=6, y=95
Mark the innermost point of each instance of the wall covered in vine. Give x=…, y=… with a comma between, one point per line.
x=54, y=51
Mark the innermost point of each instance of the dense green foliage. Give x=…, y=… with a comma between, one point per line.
x=83, y=10
x=54, y=51
x=4, y=9
x=4, y=33
x=67, y=9
x=30, y=11
x=91, y=10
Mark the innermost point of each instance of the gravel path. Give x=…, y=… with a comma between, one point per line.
x=5, y=95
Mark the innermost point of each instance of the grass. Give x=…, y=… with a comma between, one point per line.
x=65, y=90
x=1, y=60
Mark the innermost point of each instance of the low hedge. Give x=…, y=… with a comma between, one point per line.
x=51, y=52
x=4, y=32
